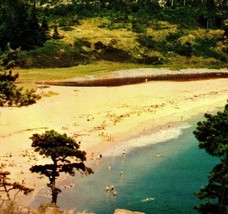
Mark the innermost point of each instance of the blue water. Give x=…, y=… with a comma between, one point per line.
x=168, y=180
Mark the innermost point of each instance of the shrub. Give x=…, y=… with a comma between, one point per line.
x=55, y=54
x=183, y=49
x=204, y=47
x=139, y=27
x=173, y=36
x=10, y=58
x=146, y=41
x=81, y=42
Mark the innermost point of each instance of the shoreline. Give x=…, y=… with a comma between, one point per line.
x=151, y=128
x=102, y=117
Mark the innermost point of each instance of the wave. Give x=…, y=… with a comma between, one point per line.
x=147, y=140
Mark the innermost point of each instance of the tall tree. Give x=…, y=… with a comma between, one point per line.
x=213, y=137
x=65, y=156
x=19, y=25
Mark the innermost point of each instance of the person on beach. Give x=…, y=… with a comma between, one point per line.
x=92, y=156
x=123, y=153
x=99, y=156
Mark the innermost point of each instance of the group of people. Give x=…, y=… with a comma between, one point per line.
x=111, y=189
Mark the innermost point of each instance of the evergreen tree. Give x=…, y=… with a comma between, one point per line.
x=11, y=95
x=213, y=137
x=64, y=154
x=19, y=25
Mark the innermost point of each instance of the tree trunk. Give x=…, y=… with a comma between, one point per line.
x=54, y=193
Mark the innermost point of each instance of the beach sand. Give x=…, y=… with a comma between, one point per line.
x=101, y=117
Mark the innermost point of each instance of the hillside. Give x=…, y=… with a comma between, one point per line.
x=139, y=32
x=163, y=44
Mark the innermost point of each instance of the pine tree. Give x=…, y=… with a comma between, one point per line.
x=213, y=137
x=11, y=95
x=65, y=156
x=19, y=25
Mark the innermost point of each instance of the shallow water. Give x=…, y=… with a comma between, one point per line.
x=157, y=177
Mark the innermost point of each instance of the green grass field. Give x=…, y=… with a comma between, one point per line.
x=98, y=69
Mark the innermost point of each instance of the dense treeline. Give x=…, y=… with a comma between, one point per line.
x=19, y=25
x=20, y=20
x=208, y=13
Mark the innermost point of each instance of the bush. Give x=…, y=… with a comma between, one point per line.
x=204, y=47
x=146, y=41
x=173, y=36
x=139, y=27
x=55, y=54
x=81, y=42
x=183, y=49
x=10, y=57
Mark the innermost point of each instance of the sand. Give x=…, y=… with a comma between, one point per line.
x=101, y=117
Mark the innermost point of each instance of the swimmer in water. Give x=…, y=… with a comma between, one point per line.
x=148, y=199
x=107, y=188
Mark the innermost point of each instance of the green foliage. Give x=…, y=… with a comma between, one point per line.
x=186, y=17
x=54, y=53
x=139, y=27
x=65, y=155
x=10, y=58
x=80, y=43
x=182, y=49
x=19, y=26
x=212, y=135
x=173, y=36
x=204, y=47
x=128, y=14
x=11, y=95
x=146, y=41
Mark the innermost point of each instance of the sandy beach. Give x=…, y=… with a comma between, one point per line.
x=102, y=117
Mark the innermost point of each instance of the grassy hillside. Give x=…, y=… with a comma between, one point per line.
x=160, y=43
x=173, y=34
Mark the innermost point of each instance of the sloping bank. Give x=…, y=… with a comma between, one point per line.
x=134, y=76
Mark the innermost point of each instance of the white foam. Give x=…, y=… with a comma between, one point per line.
x=147, y=140
x=148, y=199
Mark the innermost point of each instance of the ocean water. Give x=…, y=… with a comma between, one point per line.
x=158, y=174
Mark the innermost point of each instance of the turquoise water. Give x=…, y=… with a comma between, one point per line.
x=150, y=183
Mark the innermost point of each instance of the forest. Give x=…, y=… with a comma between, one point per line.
x=35, y=33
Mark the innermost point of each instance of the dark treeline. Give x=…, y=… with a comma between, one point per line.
x=19, y=25
x=207, y=10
